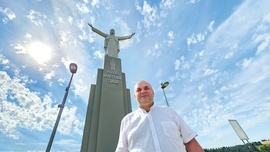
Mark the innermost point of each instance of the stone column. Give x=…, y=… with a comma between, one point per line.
x=109, y=101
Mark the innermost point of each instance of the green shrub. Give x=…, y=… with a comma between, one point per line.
x=264, y=148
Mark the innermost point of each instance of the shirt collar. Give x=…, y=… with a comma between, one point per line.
x=144, y=111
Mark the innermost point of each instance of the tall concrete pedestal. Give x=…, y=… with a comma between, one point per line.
x=109, y=102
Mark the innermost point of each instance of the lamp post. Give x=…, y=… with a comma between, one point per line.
x=73, y=70
x=163, y=86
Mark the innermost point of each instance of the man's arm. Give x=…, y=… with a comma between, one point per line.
x=193, y=146
x=97, y=31
x=125, y=37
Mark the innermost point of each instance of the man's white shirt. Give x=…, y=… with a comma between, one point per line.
x=159, y=130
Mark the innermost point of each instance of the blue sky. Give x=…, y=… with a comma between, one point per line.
x=214, y=54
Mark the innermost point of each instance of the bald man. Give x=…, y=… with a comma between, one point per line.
x=154, y=129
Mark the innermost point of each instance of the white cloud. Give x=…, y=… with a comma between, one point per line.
x=125, y=31
x=210, y=71
x=8, y=13
x=150, y=14
x=95, y=3
x=266, y=18
x=200, y=37
x=171, y=37
x=228, y=55
x=200, y=54
x=28, y=36
x=191, y=40
x=65, y=37
x=98, y=54
x=49, y=75
x=245, y=62
x=193, y=1
x=80, y=87
x=177, y=64
x=36, y=17
x=231, y=52
x=210, y=27
x=61, y=80
x=3, y=60
x=82, y=8
x=167, y=4
x=29, y=111
x=153, y=52
x=230, y=32
x=20, y=49
x=157, y=45
x=262, y=34
x=264, y=45
x=70, y=19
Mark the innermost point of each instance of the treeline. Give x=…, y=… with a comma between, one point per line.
x=251, y=147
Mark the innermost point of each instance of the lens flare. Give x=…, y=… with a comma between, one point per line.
x=40, y=52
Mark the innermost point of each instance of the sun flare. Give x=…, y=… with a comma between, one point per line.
x=40, y=52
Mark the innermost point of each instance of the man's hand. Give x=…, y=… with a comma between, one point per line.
x=90, y=25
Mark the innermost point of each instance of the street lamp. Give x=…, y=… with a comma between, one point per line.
x=73, y=70
x=163, y=86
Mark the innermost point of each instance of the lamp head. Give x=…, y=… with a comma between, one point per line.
x=164, y=85
x=73, y=68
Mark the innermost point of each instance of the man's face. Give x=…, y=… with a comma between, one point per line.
x=112, y=32
x=144, y=93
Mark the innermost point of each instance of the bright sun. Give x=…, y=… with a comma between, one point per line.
x=40, y=52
